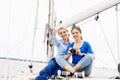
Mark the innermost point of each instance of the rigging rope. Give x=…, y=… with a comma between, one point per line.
x=35, y=28
x=107, y=41
x=48, y=29
x=96, y=19
x=51, y=25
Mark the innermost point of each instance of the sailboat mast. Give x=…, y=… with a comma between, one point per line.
x=50, y=26
x=118, y=44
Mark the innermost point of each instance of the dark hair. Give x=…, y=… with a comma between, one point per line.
x=78, y=28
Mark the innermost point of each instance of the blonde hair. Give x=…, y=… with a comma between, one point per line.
x=64, y=29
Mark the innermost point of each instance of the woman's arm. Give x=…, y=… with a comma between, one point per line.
x=90, y=51
x=66, y=57
x=68, y=52
x=93, y=56
x=79, y=52
x=54, y=39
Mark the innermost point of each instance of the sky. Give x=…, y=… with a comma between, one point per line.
x=19, y=19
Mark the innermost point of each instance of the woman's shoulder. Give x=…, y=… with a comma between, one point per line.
x=71, y=44
x=85, y=42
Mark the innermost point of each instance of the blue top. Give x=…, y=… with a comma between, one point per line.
x=85, y=48
x=61, y=46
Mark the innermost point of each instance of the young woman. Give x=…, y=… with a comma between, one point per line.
x=52, y=67
x=82, y=54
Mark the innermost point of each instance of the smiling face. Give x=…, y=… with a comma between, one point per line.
x=76, y=33
x=63, y=33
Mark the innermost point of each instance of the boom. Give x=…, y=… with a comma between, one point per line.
x=90, y=12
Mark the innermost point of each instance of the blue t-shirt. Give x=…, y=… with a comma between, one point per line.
x=85, y=48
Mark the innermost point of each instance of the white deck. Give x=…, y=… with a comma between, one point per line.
x=18, y=70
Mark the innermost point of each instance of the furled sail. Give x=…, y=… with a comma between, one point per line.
x=106, y=4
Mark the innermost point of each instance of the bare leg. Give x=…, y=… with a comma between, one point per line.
x=77, y=66
x=69, y=68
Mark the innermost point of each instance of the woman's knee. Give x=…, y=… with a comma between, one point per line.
x=86, y=61
x=89, y=57
x=58, y=58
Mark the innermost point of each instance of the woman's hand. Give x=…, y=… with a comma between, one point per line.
x=68, y=55
x=79, y=52
x=54, y=31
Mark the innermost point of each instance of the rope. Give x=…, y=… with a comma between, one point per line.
x=107, y=41
x=103, y=62
x=22, y=60
x=48, y=29
x=96, y=19
x=35, y=28
x=51, y=25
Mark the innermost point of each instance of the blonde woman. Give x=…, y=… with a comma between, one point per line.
x=62, y=44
